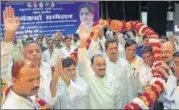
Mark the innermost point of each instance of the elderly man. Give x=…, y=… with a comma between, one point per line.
x=171, y=100
x=25, y=80
x=32, y=52
x=167, y=49
x=71, y=90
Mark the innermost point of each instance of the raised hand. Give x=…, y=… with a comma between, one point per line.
x=84, y=33
x=11, y=23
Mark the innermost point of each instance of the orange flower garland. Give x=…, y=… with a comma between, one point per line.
x=149, y=96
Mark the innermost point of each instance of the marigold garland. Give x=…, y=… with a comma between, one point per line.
x=150, y=95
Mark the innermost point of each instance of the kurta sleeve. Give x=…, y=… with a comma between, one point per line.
x=93, y=49
x=78, y=95
x=83, y=64
x=5, y=56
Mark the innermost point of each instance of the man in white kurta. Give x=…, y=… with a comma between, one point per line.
x=67, y=49
x=74, y=96
x=119, y=68
x=171, y=100
x=25, y=84
x=145, y=71
x=70, y=90
x=50, y=55
x=104, y=90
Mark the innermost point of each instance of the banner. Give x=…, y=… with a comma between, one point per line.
x=47, y=17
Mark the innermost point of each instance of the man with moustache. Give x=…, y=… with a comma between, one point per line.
x=25, y=83
x=104, y=88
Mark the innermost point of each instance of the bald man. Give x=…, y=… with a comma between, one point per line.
x=25, y=83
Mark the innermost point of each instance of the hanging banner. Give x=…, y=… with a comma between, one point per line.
x=48, y=17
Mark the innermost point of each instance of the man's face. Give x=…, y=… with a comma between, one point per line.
x=145, y=42
x=112, y=50
x=75, y=38
x=57, y=41
x=39, y=41
x=176, y=68
x=33, y=53
x=148, y=58
x=85, y=16
x=70, y=72
x=28, y=80
x=131, y=51
x=68, y=42
x=50, y=44
x=167, y=52
x=99, y=66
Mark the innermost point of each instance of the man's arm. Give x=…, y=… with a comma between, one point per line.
x=11, y=24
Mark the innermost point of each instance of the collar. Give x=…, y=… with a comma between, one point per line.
x=21, y=99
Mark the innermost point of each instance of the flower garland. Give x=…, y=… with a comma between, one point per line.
x=5, y=91
x=157, y=84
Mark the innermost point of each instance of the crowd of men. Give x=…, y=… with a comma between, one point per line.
x=107, y=75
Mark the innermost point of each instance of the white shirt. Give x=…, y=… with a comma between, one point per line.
x=145, y=74
x=51, y=59
x=73, y=97
x=5, y=59
x=67, y=51
x=14, y=101
x=172, y=92
x=103, y=92
x=44, y=91
x=76, y=44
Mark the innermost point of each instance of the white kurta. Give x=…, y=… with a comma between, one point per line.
x=105, y=92
x=51, y=59
x=145, y=74
x=14, y=101
x=67, y=51
x=44, y=91
x=73, y=97
x=172, y=92
x=5, y=61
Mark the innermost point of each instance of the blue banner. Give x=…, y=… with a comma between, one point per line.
x=47, y=17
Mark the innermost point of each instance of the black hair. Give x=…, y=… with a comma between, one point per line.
x=29, y=39
x=89, y=6
x=67, y=37
x=176, y=54
x=108, y=41
x=146, y=49
x=96, y=55
x=129, y=43
x=67, y=62
x=76, y=35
